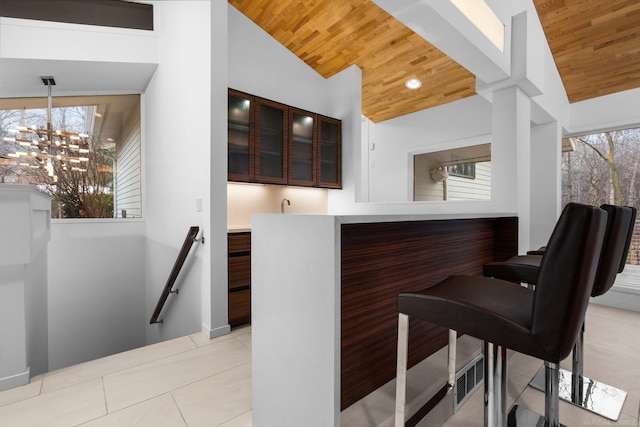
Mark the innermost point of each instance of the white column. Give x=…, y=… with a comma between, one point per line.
x=546, y=181
x=510, y=157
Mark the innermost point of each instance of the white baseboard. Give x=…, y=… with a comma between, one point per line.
x=16, y=380
x=620, y=296
x=217, y=332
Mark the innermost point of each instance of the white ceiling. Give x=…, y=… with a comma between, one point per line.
x=21, y=77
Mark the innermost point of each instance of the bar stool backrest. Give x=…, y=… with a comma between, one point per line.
x=617, y=238
x=566, y=277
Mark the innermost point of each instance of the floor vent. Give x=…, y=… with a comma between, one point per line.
x=468, y=379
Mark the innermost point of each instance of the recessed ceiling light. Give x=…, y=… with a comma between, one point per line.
x=413, y=84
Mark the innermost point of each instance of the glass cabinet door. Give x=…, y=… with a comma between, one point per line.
x=329, y=158
x=240, y=156
x=301, y=148
x=271, y=142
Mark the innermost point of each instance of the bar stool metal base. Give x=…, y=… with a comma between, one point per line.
x=596, y=397
x=522, y=417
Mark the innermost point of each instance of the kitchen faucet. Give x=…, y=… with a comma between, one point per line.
x=282, y=204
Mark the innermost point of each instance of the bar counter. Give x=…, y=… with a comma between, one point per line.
x=324, y=319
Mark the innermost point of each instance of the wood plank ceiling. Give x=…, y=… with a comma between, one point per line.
x=331, y=35
x=595, y=43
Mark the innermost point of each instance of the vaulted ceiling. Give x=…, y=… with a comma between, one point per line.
x=331, y=35
x=595, y=43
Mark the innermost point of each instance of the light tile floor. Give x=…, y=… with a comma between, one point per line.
x=194, y=381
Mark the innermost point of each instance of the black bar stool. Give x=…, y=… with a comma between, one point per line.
x=586, y=393
x=543, y=323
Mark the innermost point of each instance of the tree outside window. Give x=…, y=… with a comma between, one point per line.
x=604, y=167
x=88, y=186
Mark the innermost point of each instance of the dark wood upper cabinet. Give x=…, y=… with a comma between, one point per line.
x=271, y=122
x=302, y=148
x=329, y=154
x=273, y=143
x=240, y=136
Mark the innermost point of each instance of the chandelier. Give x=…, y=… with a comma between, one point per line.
x=43, y=147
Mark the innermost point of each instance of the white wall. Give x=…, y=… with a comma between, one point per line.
x=96, y=289
x=260, y=65
x=177, y=137
x=214, y=299
x=243, y=200
x=37, y=314
x=397, y=139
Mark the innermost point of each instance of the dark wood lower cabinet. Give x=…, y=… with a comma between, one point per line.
x=239, y=260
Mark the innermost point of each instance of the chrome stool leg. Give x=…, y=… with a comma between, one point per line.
x=453, y=341
x=577, y=370
x=401, y=368
x=520, y=416
x=575, y=388
x=495, y=385
x=551, y=399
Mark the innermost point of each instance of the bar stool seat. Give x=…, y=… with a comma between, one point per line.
x=543, y=323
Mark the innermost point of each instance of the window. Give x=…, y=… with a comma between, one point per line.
x=89, y=162
x=463, y=170
x=457, y=174
x=604, y=167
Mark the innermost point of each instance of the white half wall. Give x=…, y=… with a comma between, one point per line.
x=96, y=289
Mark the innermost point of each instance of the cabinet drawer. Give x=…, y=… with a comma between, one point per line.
x=239, y=242
x=239, y=271
x=239, y=307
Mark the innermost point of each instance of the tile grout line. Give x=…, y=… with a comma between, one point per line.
x=233, y=418
x=248, y=348
x=176, y=389
x=118, y=370
x=173, y=398
x=104, y=393
x=106, y=407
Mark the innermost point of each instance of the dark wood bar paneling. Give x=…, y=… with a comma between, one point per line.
x=380, y=260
